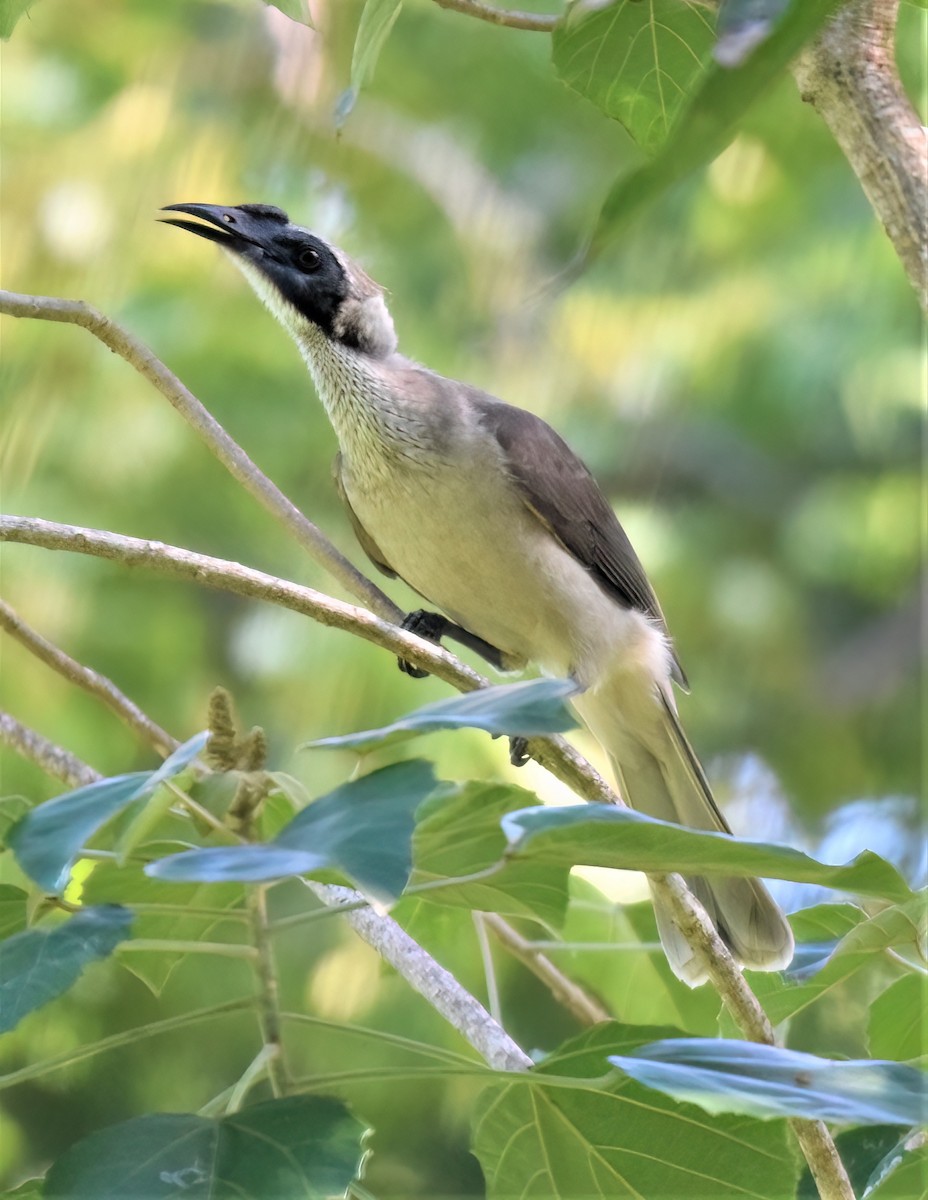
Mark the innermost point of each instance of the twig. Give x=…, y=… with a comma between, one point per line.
x=461, y=1010
x=98, y=685
x=538, y=22
x=229, y=453
x=53, y=760
x=848, y=74
x=268, y=992
x=553, y=753
x=577, y=1001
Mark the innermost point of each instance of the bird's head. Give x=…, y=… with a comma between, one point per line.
x=307, y=284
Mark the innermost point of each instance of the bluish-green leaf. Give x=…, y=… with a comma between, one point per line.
x=309, y=1147
x=48, y=838
x=742, y=25
x=611, y=1137
x=599, y=835
x=708, y=124
x=519, y=709
x=40, y=964
x=235, y=864
x=767, y=1081
x=377, y=19
x=637, y=60
x=362, y=829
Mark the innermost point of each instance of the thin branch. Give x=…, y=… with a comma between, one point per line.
x=849, y=76
x=459, y=1008
x=553, y=753
x=538, y=22
x=268, y=992
x=577, y=1001
x=90, y=681
x=52, y=759
x=218, y=442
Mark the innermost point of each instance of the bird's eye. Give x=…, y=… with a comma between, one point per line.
x=309, y=259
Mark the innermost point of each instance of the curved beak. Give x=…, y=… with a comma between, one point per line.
x=223, y=225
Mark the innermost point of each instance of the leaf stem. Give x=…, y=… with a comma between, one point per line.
x=268, y=995
x=169, y=945
x=511, y=19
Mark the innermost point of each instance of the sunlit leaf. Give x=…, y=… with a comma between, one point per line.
x=301, y=1146
x=742, y=25
x=768, y=1081
x=377, y=19
x=613, y=1137
x=600, y=835
x=519, y=709
x=363, y=829
x=708, y=124
x=459, y=834
x=40, y=964
x=10, y=12
x=897, y=1020
x=637, y=60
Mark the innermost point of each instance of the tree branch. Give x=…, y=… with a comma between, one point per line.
x=90, y=681
x=54, y=761
x=848, y=74
x=229, y=453
x=537, y=22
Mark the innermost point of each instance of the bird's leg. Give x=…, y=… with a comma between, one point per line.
x=429, y=625
x=433, y=627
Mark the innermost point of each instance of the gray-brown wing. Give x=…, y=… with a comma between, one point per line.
x=561, y=492
x=366, y=542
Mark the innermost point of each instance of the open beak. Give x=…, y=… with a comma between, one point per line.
x=222, y=223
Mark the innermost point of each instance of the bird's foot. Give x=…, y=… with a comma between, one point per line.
x=424, y=624
x=518, y=751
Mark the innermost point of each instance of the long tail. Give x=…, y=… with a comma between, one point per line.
x=659, y=774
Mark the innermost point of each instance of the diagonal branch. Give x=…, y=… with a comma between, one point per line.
x=90, y=681
x=52, y=759
x=537, y=22
x=849, y=76
x=205, y=425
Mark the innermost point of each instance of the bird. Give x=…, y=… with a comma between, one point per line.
x=485, y=511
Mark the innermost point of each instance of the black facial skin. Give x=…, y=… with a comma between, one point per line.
x=301, y=267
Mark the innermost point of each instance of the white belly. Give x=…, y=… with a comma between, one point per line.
x=463, y=538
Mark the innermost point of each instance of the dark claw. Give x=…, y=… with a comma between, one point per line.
x=518, y=751
x=425, y=624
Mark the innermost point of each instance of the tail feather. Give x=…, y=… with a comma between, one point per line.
x=659, y=774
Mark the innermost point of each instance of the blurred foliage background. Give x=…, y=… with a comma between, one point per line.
x=743, y=373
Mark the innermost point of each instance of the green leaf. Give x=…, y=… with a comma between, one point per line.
x=47, y=839
x=897, y=1020
x=517, y=709
x=861, y=1150
x=303, y=1146
x=710, y=121
x=364, y=829
x=12, y=808
x=902, y=1174
x=742, y=25
x=767, y=1081
x=599, y=835
x=110, y=884
x=377, y=19
x=858, y=950
x=10, y=12
x=30, y=1189
x=296, y=10
x=41, y=964
x=637, y=60
x=13, y=901
x=613, y=1137
x=459, y=833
